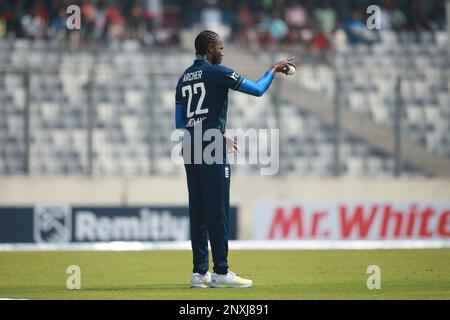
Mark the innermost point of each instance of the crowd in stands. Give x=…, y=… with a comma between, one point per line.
x=102, y=21
x=260, y=23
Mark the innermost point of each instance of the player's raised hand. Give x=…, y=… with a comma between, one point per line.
x=283, y=65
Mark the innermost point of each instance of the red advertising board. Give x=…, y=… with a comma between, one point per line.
x=352, y=221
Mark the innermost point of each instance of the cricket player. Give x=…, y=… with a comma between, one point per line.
x=202, y=99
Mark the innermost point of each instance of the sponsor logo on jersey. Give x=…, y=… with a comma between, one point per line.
x=192, y=122
x=234, y=76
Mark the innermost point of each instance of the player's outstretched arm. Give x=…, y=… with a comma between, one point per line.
x=262, y=84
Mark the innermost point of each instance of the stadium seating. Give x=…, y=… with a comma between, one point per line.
x=369, y=85
x=133, y=96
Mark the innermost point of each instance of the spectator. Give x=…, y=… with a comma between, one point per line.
x=2, y=27
x=33, y=24
x=392, y=17
x=115, y=23
x=227, y=13
x=416, y=18
x=88, y=12
x=100, y=22
x=211, y=16
x=58, y=25
x=244, y=18
x=320, y=41
x=295, y=15
x=267, y=5
x=356, y=29
x=326, y=16
x=278, y=28
x=244, y=32
x=154, y=9
x=156, y=21
x=138, y=26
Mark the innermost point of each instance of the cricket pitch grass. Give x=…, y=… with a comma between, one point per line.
x=276, y=274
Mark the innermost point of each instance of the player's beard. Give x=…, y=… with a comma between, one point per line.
x=216, y=59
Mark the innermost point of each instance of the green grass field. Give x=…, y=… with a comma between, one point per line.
x=290, y=274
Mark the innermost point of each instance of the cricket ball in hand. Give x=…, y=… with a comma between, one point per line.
x=291, y=69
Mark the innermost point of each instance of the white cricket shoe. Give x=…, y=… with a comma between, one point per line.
x=201, y=280
x=229, y=280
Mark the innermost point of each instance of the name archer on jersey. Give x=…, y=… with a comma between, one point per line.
x=192, y=76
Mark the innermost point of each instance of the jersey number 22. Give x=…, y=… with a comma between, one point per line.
x=194, y=89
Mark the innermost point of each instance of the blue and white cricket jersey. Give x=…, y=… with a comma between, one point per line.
x=202, y=95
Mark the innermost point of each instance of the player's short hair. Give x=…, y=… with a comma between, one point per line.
x=203, y=40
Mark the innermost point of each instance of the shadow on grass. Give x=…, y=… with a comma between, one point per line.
x=148, y=287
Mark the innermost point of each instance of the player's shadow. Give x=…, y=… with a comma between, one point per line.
x=145, y=287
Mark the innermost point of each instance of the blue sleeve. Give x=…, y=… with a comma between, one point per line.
x=256, y=88
x=180, y=112
x=180, y=116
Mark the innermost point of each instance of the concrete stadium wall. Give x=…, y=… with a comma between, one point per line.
x=24, y=191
